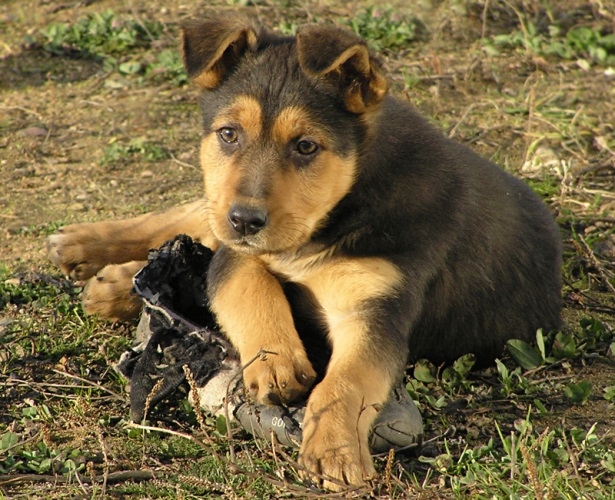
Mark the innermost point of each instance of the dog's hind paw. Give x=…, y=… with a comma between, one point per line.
x=71, y=249
x=109, y=293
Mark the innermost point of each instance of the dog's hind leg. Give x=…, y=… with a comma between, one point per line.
x=109, y=293
x=107, y=254
x=81, y=250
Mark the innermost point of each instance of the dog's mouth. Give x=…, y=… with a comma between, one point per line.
x=247, y=244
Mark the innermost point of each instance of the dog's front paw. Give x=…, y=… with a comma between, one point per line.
x=279, y=376
x=334, y=451
x=332, y=458
x=109, y=293
x=76, y=250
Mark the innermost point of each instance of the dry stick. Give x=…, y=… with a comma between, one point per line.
x=530, y=117
x=92, y=384
x=113, y=477
x=453, y=131
x=221, y=460
x=573, y=457
x=78, y=478
x=21, y=443
x=103, y=448
x=484, y=19
x=594, y=306
x=594, y=168
x=589, y=254
x=25, y=110
x=140, y=21
x=182, y=163
x=40, y=385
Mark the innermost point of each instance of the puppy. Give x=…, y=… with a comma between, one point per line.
x=398, y=242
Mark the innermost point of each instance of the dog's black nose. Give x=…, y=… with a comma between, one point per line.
x=247, y=220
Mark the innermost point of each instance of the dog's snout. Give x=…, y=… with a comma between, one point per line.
x=247, y=220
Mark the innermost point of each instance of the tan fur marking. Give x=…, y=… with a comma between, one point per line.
x=340, y=286
x=293, y=122
x=208, y=79
x=301, y=200
x=245, y=111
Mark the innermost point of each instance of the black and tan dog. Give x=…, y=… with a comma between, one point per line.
x=398, y=242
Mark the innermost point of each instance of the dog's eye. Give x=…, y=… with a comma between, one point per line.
x=228, y=135
x=306, y=147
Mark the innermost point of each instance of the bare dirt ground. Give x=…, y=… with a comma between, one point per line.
x=82, y=140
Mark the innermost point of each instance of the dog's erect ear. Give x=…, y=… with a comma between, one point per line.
x=211, y=48
x=343, y=57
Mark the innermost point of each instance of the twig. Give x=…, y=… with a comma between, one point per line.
x=113, y=477
x=234, y=468
x=483, y=32
x=21, y=108
x=182, y=163
x=21, y=443
x=103, y=448
x=586, y=250
x=92, y=384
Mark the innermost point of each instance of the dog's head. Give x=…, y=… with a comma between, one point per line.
x=284, y=120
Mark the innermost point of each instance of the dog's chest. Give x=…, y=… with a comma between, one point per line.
x=341, y=286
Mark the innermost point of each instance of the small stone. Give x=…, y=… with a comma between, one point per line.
x=34, y=132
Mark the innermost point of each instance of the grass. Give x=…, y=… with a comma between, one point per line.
x=114, y=41
x=138, y=147
x=584, y=44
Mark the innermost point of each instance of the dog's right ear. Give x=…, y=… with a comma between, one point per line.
x=211, y=48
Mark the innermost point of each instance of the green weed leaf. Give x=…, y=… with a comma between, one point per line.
x=564, y=346
x=8, y=440
x=221, y=425
x=464, y=364
x=524, y=354
x=578, y=393
x=424, y=371
x=609, y=393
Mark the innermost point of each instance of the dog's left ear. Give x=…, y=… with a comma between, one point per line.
x=343, y=58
